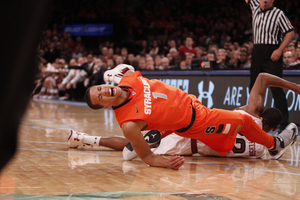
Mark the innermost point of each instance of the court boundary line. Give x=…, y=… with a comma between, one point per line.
x=197, y=163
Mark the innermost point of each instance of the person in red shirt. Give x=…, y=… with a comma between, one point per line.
x=142, y=104
x=188, y=49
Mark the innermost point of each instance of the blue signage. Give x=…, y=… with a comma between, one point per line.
x=89, y=29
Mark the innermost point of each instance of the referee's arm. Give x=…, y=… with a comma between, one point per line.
x=286, y=40
x=246, y=1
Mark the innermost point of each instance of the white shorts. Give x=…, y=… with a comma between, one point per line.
x=182, y=146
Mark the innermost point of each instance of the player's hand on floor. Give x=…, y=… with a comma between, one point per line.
x=176, y=161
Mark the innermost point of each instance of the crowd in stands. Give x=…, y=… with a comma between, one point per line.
x=201, y=34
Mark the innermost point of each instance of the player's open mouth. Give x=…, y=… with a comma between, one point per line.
x=112, y=92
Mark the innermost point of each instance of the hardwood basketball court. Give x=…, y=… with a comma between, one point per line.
x=45, y=168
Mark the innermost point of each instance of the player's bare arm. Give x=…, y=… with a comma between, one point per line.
x=257, y=94
x=132, y=132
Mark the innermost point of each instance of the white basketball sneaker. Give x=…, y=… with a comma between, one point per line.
x=116, y=74
x=75, y=139
x=283, y=140
x=153, y=139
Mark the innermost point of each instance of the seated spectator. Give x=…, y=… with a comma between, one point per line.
x=288, y=60
x=70, y=81
x=243, y=62
x=110, y=54
x=77, y=90
x=97, y=77
x=104, y=54
x=211, y=56
x=142, y=64
x=298, y=52
x=187, y=48
x=154, y=51
x=187, y=63
x=143, y=49
x=233, y=59
x=157, y=63
x=110, y=63
x=51, y=54
x=165, y=63
x=119, y=60
x=124, y=54
x=175, y=59
x=77, y=53
x=221, y=59
x=132, y=60
x=54, y=76
x=291, y=47
x=150, y=63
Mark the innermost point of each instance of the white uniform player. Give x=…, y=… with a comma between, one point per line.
x=184, y=146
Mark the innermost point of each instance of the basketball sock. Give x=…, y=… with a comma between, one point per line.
x=93, y=140
x=253, y=132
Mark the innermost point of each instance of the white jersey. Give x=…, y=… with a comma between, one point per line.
x=183, y=146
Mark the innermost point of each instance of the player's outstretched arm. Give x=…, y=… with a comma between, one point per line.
x=257, y=94
x=133, y=134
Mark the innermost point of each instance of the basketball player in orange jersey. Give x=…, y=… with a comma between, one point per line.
x=142, y=104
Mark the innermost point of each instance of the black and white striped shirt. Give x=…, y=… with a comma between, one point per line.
x=269, y=25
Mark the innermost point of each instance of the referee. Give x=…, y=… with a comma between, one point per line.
x=272, y=32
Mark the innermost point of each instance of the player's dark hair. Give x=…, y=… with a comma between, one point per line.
x=87, y=98
x=272, y=116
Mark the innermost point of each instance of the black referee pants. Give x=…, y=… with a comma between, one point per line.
x=261, y=62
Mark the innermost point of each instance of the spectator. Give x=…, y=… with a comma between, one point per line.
x=165, y=63
x=221, y=59
x=211, y=56
x=124, y=54
x=187, y=63
x=132, y=60
x=104, y=54
x=188, y=48
x=298, y=52
x=88, y=69
x=77, y=53
x=70, y=81
x=119, y=60
x=244, y=60
x=97, y=77
x=110, y=63
x=157, y=63
x=154, y=51
x=144, y=48
x=292, y=49
x=52, y=53
x=233, y=59
x=150, y=63
x=54, y=76
x=142, y=64
x=174, y=56
x=289, y=60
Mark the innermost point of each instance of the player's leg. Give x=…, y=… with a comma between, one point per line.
x=115, y=75
x=276, y=144
x=284, y=139
x=79, y=139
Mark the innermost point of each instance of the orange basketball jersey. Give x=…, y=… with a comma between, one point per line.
x=162, y=106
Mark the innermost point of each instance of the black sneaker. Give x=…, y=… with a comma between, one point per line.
x=153, y=139
x=283, y=140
